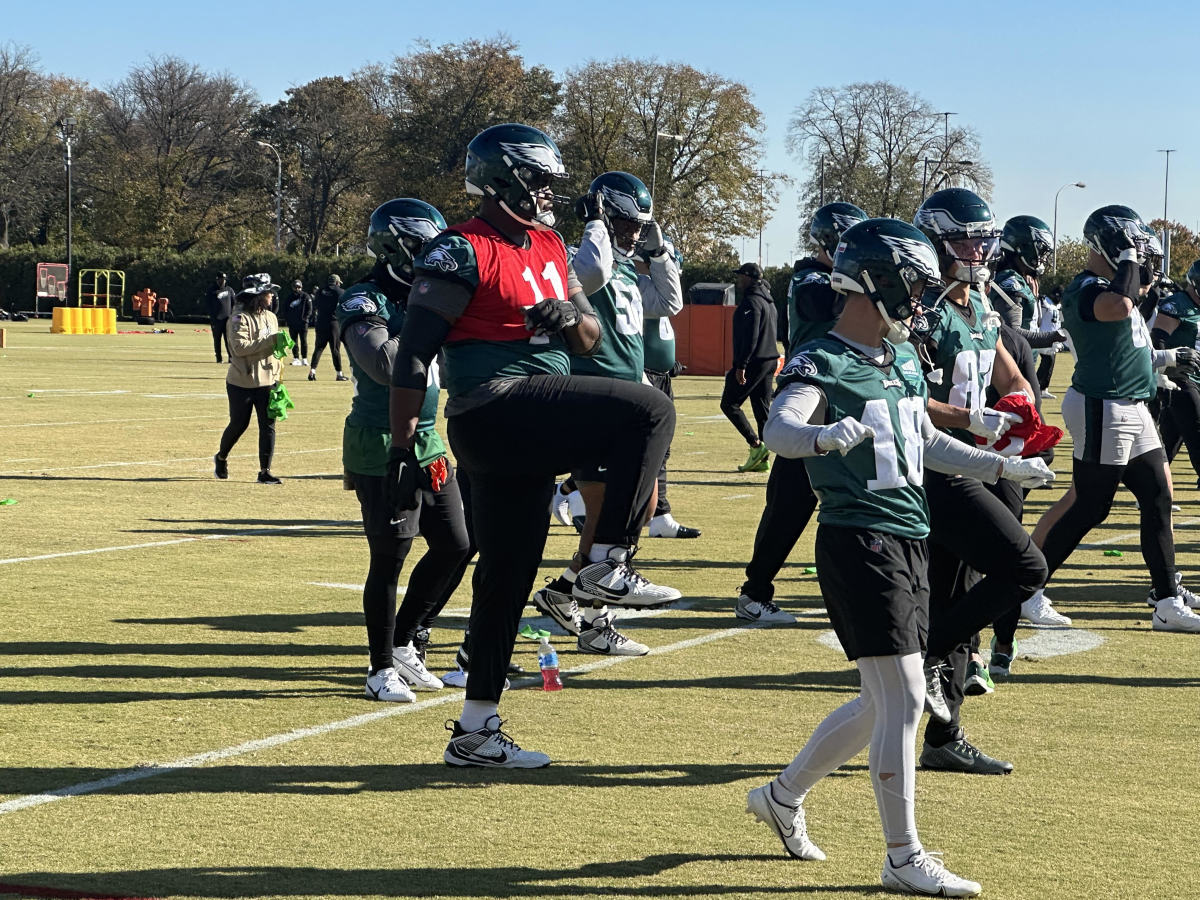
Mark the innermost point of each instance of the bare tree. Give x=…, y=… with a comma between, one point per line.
x=877, y=145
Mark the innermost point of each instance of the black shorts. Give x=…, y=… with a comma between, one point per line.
x=377, y=515
x=596, y=473
x=876, y=588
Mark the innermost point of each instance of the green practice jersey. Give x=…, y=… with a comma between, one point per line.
x=367, y=435
x=1014, y=284
x=813, y=306
x=1187, y=334
x=659, y=343
x=961, y=342
x=877, y=485
x=618, y=306
x=1112, y=359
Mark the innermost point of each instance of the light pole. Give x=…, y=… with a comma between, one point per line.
x=821, y=182
x=1166, y=236
x=66, y=127
x=946, y=130
x=1054, y=235
x=654, y=166
x=278, y=192
x=761, y=174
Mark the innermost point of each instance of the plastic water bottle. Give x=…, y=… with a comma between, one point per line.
x=548, y=663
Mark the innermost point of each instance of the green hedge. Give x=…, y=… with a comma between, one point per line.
x=185, y=277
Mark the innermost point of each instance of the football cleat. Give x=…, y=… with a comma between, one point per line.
x=756, y=460
x=599, y=636
x=978, y=680
x=924, y=874
x=409, y=666
x=935, y=694
x=1038, y=611
x=1190, y=600
x=665, y=526
x=562, y=608
x=268, y=478
x=560, y=506
x=761, y=611
x=615, y=582
x=386, y=685
x=489, y=747
x=786, y=821
x=1000, y=665
x=962, y=756
x=220, y=467
x=1171, y=615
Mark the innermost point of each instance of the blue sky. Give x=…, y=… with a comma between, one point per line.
x=1058, y=92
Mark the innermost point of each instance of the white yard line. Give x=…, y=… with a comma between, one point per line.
x=257, y=532
x=199, y=759
x=160, y=462
x=1122, y=538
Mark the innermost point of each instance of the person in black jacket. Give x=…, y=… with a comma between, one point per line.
x=219, y=300
x=296, y=310
x=755, y=358
x=327, y=302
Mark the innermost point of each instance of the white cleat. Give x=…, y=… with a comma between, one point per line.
x=924, y=874
x=560, y=506
x=615, y=582
x=665, y=526
x=386, y=685
x=787, y=822
x=1190, y=600
x=489, y=747
x=1171, y=615
x=1037, y=610
x=562, y=608
x=600, y=637
x=762, y=611
x=412, y=670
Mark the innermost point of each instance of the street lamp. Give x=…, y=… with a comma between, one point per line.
x=937, y=162
x=66, y=127
x=278, y=191
x=654, y=167
x=1166, y=233
x=1054, y=236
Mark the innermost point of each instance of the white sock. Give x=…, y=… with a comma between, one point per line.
x=897, y=688
x=475, y=714
x=599, y=552
x=840, y=736
x=900, y=855
x=406, y=651
x=591, y=615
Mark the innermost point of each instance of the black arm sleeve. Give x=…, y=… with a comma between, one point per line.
x=1128, y=280
x=423, y=335
x=1159, y=339
x=1038, y=340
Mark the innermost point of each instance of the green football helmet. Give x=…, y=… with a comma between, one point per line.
x=626, y=207
x=830, y=220
x=517, y=165
x=1110, y=230
x=1192, y=276
x=963, y=231
x=1029, y=242
x=889, y=261
x=399, y=230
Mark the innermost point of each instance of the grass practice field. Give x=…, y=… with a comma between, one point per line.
x=197, y=647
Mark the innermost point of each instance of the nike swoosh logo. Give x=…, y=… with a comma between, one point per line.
x=788, y=831
x=612, y=592
x=747, y=613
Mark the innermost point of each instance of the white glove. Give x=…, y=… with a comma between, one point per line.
x=1164, y=383
x=1163, y=359
x=1028, y=473
x=990, y=424
x=652, y=240
x=844, y=436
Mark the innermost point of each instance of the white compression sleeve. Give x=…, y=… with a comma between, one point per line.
x=896, y=686
x=841, y=736
x=951, y=456
x=788, y=431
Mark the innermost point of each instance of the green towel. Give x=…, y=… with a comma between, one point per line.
x=283, y=344
x=280, y=402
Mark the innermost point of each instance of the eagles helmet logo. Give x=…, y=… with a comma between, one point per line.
x=843, y=221
x=412, y=225
x=537, y=156
x=801, y=365
x=440, y=258
x=917, y=253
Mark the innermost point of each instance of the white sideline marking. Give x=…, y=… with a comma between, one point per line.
x=140, y=420
x=191, y=762
x=164, y=462
x=737, y=496
x=334, y=584
x=1043, y=644
x=187, y=540
x=1122, y=538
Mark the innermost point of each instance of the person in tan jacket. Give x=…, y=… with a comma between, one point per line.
x=253, y=372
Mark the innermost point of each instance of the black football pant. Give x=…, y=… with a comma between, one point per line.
x=1012, y=495
x=300, y=337
x=1180, y=423
x=1095, y=487
x=243, y=402
x=219, y=336
x=662, y=381
x=1045, y=370
x=760, y=375
x=982, y=564
x=621, y=425
x=790, y=504
x=326, y=337
x=441, y=523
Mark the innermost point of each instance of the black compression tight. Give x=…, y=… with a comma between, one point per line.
x=379, y=595
x=1095, y=486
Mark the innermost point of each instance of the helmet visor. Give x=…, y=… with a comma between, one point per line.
x=976, y=251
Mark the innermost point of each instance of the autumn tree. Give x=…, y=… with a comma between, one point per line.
x=878, y=146
x=709, y=186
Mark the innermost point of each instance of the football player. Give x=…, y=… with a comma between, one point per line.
x=1178, y=325
x=981, y=562
x=370, y=316
x=1105, y=409
x=618, y=216
x=496, y=293
x=813, y=307
x=853, y=405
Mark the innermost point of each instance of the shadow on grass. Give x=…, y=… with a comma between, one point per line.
x=143, y=480
x=838, y=681
x=608, y=879
x=259, y=623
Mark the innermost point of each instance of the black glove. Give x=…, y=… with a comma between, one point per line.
x=1114, y=242
x=1187, y=363
x=590, y=208
x=1061, y=336
x=551, y=316
x=403, y=474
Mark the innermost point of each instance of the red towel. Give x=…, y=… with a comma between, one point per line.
x=1028, y=437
